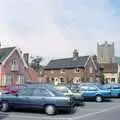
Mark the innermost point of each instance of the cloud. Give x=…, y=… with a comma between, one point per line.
x=53, y=28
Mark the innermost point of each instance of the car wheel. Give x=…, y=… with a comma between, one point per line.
x=50, y=109
x=98, y=98
x=4, y=106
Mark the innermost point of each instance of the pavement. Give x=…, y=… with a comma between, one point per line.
x=91, y=111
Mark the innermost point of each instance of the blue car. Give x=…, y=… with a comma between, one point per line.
x=114, y=88
x=94, y=92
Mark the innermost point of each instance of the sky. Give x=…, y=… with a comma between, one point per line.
x=54, y=28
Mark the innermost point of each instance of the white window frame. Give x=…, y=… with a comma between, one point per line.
x=20, y=79
x=90, y=69
x=63, y=80
x=14, y=64
x=76, y=79
x=62, y=71
x=77, y=70
x=5, y=79
x=52, y=71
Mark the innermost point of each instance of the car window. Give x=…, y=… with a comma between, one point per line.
x=26, y=92
x=92, y=89
x=116, y=87
x=41, y=92
x=83, y=88
x=56, y=92
x=64, y=90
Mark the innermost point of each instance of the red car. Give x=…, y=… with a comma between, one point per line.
x=14, y=89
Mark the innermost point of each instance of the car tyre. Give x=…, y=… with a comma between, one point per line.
x=4, y=106
x=50, y=110
x=98, y=98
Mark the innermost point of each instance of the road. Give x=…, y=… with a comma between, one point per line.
x=91, y=111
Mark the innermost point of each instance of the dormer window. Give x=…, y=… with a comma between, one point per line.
x=14, y=62
x=52, y=71
x=62, y=71
x=77, y=70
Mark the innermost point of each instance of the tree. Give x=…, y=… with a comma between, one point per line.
x=36, y=63
x=102, y=79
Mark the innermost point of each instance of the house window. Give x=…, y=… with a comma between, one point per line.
x=113, y=80
x=14, y=65
x=20, y=79
x=77, y=70
x=90, y=69
x=62, y=80
x=52, y=71
x=7, y=79
x=76, y=80
x=62, y=71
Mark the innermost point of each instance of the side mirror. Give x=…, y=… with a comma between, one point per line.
x=16, y=94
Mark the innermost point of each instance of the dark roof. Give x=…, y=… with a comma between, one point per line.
x=109, y=67
x=67, y=63
x=4, y=52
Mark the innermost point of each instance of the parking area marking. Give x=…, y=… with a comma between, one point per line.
x=95, y=113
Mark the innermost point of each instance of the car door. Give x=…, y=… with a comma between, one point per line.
x=22, y=99
x=39, y=98
x=92, y=91
x=115, y=91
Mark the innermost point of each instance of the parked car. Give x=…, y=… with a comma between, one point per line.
x=114, y=88
x=41, y=97
x=94, y=92
x=77, y=96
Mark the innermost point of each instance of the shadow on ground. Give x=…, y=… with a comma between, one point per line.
x=2, y=117
x=42, y=112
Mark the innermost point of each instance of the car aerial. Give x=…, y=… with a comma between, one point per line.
x=114, y=88
x=77, y=96
x=37, y=97
x=94, y=92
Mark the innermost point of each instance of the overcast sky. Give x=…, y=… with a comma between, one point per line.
x=53, y=28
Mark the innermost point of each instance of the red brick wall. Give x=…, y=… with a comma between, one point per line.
x=21, y=71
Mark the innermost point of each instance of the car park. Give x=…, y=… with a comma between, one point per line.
x=41, y=97
x=114, y=88
x=94, y=92
x=77, y=96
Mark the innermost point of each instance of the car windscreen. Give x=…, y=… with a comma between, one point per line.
x=56, y=92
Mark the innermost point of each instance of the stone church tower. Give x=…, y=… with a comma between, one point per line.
x=106, y=52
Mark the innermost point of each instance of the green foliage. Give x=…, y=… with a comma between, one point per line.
x=102, y=79
x=36, y=63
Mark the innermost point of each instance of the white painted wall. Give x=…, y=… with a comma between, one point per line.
x=111, y=75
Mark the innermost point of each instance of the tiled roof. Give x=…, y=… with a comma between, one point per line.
x=109, y=67
x=32, y=74
x=67, y=63
x=4, y=52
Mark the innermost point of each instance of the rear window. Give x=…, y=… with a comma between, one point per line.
x=56, y=92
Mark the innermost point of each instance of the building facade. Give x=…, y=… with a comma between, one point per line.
x=106, y=52
x=13, y=68
x=111, y=72
x=71, y=70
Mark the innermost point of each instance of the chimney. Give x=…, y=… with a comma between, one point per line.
x=75, y=53
x=26, y=57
